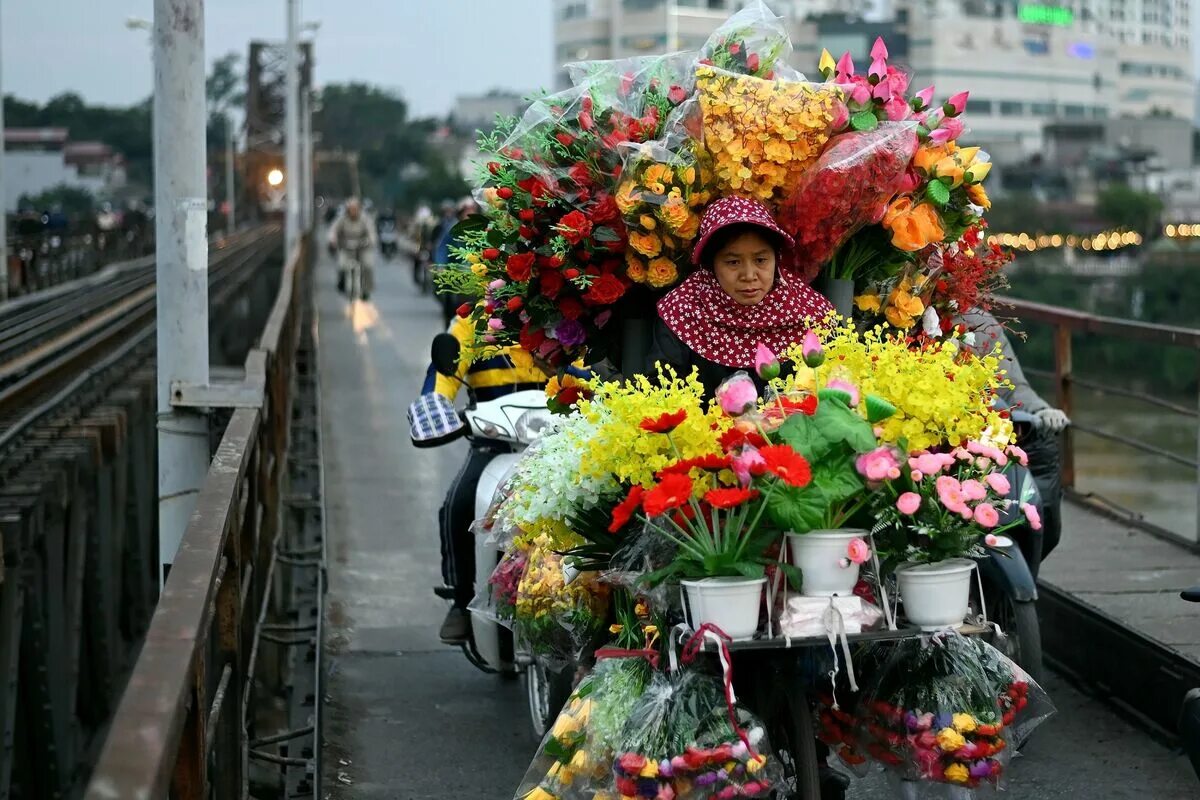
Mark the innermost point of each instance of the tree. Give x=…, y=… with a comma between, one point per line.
x=73, y=200
x=1125, y=207
x=224, y=89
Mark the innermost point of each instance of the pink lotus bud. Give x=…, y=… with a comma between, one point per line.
x=956, y=104
x=879, y=50
x=861, y=94
x=845, y=65
x=878, y=70
x=497, y=284
x=899, y=79
x=766, y=364
x=896, y=108
x=883, y=90
x=923, y=98
x=940, y=136
x=811, y=350
x=954, y=125
x=841, y=116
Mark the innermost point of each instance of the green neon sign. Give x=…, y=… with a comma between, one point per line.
x=1046, y=15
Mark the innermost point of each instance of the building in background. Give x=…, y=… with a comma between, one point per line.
x=472, y=112
x=38, y=159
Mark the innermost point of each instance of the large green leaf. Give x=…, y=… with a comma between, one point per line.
x=837, y=479
x=864, y=121
x=938, y=192
x=840, y=423
x=806, y=436
x=798, y=510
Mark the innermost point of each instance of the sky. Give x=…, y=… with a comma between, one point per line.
x=428, y=51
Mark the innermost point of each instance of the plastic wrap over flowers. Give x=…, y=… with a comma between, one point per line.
x=575, y=759
x=850, y=187
x=950, y=710
x=558, y=611
x=753, y=41
x=679, y=743
x=498, y=599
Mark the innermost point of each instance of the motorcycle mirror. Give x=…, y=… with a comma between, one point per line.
x=444, y=353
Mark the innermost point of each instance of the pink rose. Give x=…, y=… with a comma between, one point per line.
x=916, y=476
x=1019, y=454
x=974, y=490
x=928, y=463
x=999, y=483
x=986, y=515
x=908, y=503
x=745, y=464
x=858, y=550
x=951, y=495
x=737, y=395
x=880, y=464
x=1031, y=513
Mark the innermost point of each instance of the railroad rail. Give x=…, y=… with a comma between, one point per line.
x=78, y=511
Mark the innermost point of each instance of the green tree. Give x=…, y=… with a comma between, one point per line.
x=225, y=90
x=1125, y=207
x=73, y=200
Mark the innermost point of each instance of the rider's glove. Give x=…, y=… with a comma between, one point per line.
x=1053, y=419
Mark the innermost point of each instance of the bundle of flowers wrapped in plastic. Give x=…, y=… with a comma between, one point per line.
x=949, y=709
x=680, y=742
x=558, y=610
x=498, y=600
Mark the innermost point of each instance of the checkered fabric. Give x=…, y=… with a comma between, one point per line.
x=432, y=420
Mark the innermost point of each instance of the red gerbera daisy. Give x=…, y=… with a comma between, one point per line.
x=787, y=465
x=807, y=406
x=709, y=461
x=665, y=423
x=729, y=498
x=671, y=492
x=625, y=509
x=733, y=439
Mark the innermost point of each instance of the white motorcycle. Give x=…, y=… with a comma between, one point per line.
x=510, y=423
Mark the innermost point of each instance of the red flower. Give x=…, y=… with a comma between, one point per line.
x=555, y=261
x=733, y=438
x=494, y=167
x=752, y=62
x=677, y=95
x=710, y=461
x=525, y=214
x=551, y=283
x=564, y=138
x=515, y=303
x=526, y=232
x=571, y=274
x=625, y=509
x=604, y=210
x=626, y=83
x=787, y=465
x=665, y=423
x=579, y=174
x=464, y=310
x=490, y=253
x=671, y=492
x=532, y=338
x=504, y=193
x=574, y=227
x=570, y=395
x=570, y=308
x=735, y=48
x=807, y=406
x=520, y=266
x=605, y=290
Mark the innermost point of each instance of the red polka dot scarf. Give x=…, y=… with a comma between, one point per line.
x=715, y=326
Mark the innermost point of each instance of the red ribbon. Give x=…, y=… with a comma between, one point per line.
x=691, y=651
x=649, y=654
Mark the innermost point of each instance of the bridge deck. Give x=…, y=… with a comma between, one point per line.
x=408, y=717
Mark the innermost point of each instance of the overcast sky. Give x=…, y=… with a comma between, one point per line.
x=427, y=50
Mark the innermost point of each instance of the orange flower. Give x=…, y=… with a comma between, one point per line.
x=978, y=196
x=661, y=272
x=628, y=197
x=635, y=268
x=674, y=212
x=904, y=309
x=647, y=244
x=913, y=227
x=930, y=154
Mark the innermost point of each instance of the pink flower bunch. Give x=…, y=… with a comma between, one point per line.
x=878, y=465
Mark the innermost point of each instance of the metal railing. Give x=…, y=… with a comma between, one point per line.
x=41, y=260
x=184, y=725
x=1066, y=323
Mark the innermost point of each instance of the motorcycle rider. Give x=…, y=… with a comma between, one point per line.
x=510, y=370
x=442, y=255
x=353, y=235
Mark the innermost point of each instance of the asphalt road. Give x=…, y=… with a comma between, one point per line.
x=408, y=718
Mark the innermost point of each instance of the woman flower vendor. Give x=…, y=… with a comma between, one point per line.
x=715, y=320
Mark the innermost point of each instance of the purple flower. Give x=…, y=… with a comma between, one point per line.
x=602, y=318
x=981, y=769
x=707, y=779
x=665, y=769
x=569, y=333
x=942, y=720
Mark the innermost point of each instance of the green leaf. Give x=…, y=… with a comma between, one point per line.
x=797, y=510
x=840, y=423
x=749, y=569
x=938, y=192
x=878, y=409
x=864, y=121
x=837, y=479
x=805, y=436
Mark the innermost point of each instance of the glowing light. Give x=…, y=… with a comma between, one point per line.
x=1056, y=240
x=1170, y=231
x=275, y=177
x=1185, y=230
x=1087, y=244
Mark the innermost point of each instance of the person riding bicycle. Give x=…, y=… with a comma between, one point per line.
x=510, y=370
x=352, y=237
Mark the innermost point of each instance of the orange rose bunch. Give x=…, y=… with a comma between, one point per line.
x=913, y=226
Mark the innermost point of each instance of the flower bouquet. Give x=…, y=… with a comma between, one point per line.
x=949, y=710
x=498, y=600
x=558, y=611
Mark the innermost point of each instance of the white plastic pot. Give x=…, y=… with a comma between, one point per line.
x=935, y=596
x=823, y=562
x=731, y=604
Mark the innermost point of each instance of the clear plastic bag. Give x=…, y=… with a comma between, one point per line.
x=680, y=742
x=558, y=611
x=639, y=92
x=763, y=135
x=850, y=187
x=950, y=710
x=498, y=599
x=575, y=759
x=753, y=41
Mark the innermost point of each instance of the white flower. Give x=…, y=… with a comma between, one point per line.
x=930, y=324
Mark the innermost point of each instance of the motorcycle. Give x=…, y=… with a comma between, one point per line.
x=389, y=239
x=510, y=424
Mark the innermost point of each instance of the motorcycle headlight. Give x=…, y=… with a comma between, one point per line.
x=532, y=424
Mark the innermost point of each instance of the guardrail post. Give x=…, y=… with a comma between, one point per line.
x=1063, y=371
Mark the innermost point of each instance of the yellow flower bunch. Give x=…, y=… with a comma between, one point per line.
x=942, y=395
x=543, y=595
x=763, y=134
x=903, y=307
x=660, y=201
x=621, y=448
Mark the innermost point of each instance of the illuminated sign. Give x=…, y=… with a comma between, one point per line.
x=1046, y=15
x=1081, y=50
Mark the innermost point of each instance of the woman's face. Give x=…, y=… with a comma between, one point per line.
x=745, y=268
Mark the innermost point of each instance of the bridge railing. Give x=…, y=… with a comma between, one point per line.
x=183, y=725
x=1068, y=323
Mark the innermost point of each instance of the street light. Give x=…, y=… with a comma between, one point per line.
x=275, y=177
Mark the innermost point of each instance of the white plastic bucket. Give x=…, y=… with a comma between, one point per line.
x=731, y=604
x=821, y=558
x=935, y=596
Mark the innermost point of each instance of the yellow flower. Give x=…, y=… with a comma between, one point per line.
x=538, y=793
x=979, y=196
x=963, y=723
x=826, y=64
x=978, y=171
x=868, y=302
x=903, y=308
x=649, y=770
x=950, y=740
x=614, y=629
x=674, y=212
x=580, y=761
x=647, y=244
x=648, y=222
x=950, y=167
x=635, y=268
x=755, y=764
x=628, y=198
x=661, y=273
x=479, y=269
x=688, y=230
x=930, y=154
x=957, y=773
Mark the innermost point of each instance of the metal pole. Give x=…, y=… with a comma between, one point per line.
x=292, y=180
x=306, y=162
x=230, y=194
x=181, y=265
x=3, y=202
